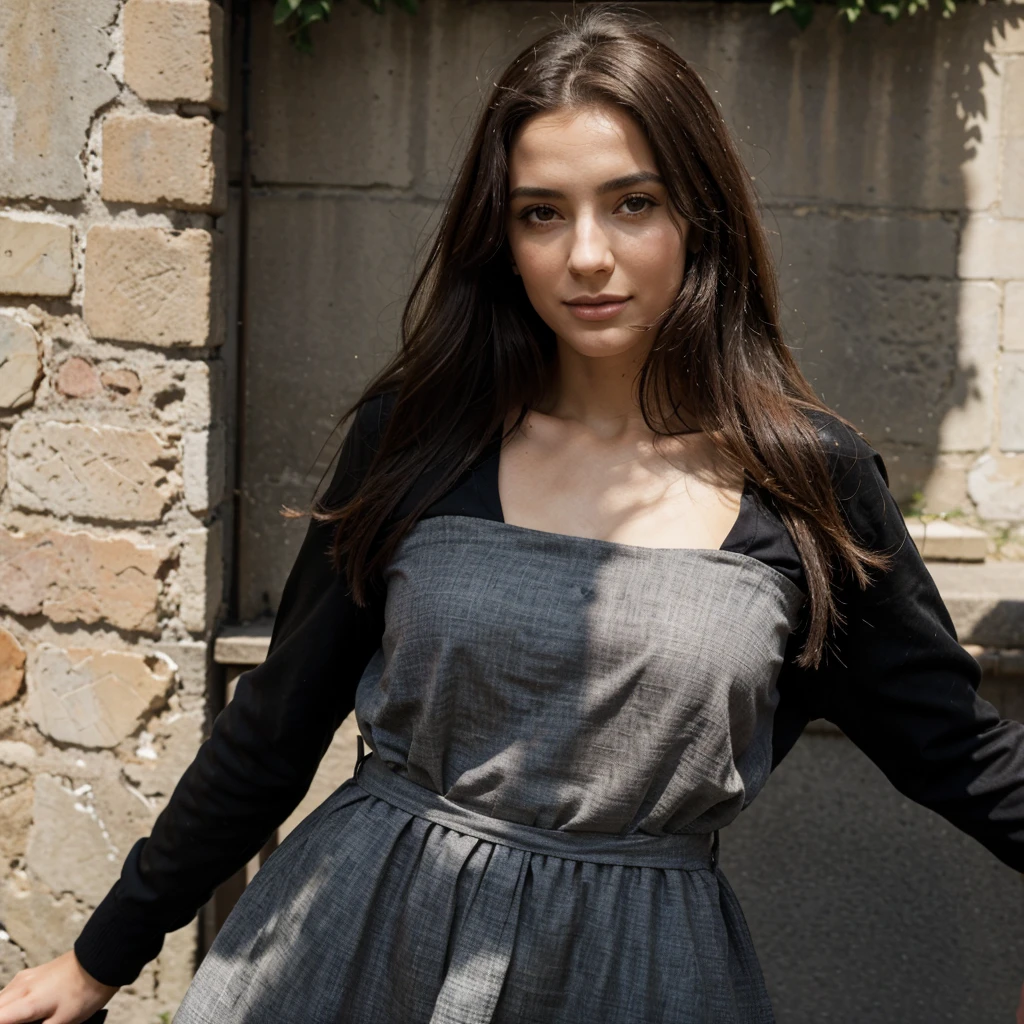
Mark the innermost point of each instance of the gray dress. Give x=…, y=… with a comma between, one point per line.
x=559, y=726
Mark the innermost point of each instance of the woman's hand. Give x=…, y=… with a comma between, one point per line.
x=59, y=992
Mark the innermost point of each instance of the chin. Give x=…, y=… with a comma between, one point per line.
x=596, y=343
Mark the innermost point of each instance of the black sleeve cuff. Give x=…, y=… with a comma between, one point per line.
x=118, y=940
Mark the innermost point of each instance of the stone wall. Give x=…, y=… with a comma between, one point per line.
x=112, y=475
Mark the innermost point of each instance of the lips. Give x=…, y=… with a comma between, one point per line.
x=600, y=307
x=602, y=299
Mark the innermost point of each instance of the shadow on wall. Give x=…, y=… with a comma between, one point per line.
x=871, y=147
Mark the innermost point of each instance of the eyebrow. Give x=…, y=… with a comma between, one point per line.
x=626, y=181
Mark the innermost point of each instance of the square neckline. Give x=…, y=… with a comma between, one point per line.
x=491, y=478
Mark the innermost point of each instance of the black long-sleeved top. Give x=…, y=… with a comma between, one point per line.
x=896, y=681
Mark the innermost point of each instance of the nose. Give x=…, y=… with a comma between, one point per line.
x=591, y=251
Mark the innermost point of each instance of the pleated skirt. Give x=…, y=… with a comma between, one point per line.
x=390, y=905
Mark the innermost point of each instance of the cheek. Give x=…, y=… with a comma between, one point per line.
x=655, y=260
x=540, y=267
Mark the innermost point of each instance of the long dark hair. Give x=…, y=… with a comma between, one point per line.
x=473, y=348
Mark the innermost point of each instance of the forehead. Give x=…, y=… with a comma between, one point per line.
x=578, y=147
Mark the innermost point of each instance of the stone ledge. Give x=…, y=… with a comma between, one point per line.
x=942, y=541
x=242, y=645
x=986, y=602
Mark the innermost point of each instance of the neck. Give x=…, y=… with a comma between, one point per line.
x=601, y=392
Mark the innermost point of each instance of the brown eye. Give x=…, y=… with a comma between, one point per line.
x=637, y=204
x=526, y=214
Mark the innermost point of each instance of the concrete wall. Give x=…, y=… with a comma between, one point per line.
x=884, y=156
x=112, y=477
x=888, y=161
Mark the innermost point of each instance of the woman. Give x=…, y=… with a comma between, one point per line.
x=577, y=654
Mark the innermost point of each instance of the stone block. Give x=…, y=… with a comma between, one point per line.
x=170, y=161
x=35, y=258
x=967, y=422
x=940, y=540
x=1012, y=68
x=193, y=660
x=12, y=959
x=1008, y=35
x=53, y=78
x=20, y=364
x=298, y=381
x=1012, y=195
x=95, y=472
x=42, y=924
x=15, y=822
x=362, y=128
x=186, y=393
x=201, y=576
x=69, y=849
x=153, y=285
x=95, y=698
x=1011, y=404
x=174, y=51
x=996, y=486
x=1011, y=199
x=1013, y=316
x=333, y=770
x=885, y=348
x=17, y=754
x=993, y=248
x=204, y=468
x=78, y=577
x=122, y=384
x=176, y=966
x=173, y=739
x=12, y=776
x=77, y=378
x=945, y=489
x=242, y=645
x=985, y=602
x=12, y=666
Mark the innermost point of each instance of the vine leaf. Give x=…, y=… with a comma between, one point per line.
x=284, y=9
x=298, y=16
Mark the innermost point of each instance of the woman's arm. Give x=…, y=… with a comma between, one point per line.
x=262, y=754
x=898, y=683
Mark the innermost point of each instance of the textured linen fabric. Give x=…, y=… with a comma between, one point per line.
x=558, y=726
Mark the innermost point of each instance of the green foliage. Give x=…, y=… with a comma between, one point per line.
x=850, y=10
x=298, y=16
x=915, y=506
